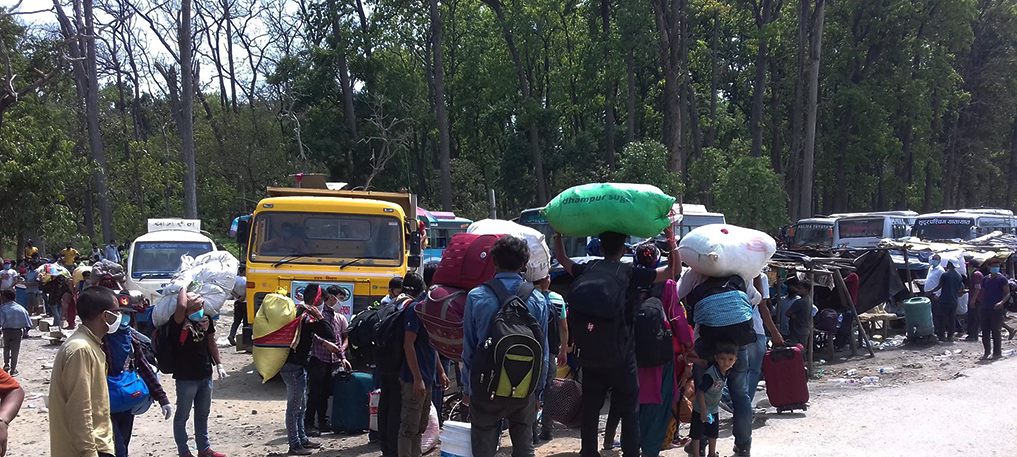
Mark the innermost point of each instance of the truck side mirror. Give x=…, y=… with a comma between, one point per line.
x=414, y=262
x=414, y=242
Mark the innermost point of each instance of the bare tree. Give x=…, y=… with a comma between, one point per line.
x=390, y=139
x=83, y=52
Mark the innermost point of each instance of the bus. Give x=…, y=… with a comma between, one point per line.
x=440, y=228
x=812, y=233
x=866, y=230
x=964, y=224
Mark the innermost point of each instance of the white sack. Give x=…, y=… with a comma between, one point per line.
x=720, y=250
x=540, y=256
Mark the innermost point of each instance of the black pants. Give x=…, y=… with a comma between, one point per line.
x=12, y=347
x=319, y=388
x=623, y=382
x=123, y=427
x=239, y=318
x=992, y=323
x=945, y=316
x=486, y=417
x=974, y=323
x=390, y=407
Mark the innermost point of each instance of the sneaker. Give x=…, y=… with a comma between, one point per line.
x=299, y=450
x=309, y=445
x=741, y=452
x=210, y=453
x=325, y=427
x=232, y=340
x=7, y=368
x=15, y=373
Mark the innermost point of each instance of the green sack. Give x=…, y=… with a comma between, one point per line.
x=591, y=209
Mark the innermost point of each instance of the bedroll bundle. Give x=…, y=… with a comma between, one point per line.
x=722, y=250
x=539, y=264
x=211, y=275
x=588, y=210
x=275, y=330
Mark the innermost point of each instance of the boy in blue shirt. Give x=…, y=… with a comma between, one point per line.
x=709, y=390
x=14, y=320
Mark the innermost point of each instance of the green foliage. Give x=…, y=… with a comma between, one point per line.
x=645, y=162
x=750, y=194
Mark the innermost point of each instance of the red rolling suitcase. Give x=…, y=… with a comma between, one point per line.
x=466, y=262
x=786, y=382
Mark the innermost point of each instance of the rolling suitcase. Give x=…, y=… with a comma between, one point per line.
x=350, y=397
x=786, y=383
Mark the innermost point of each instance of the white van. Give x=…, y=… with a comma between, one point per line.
x=155, y=256
x=964, y=224
x=866, y=230
x=695, y=216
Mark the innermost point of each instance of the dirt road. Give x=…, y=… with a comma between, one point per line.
x=936, y=401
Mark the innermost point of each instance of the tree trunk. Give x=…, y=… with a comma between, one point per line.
x=229, y=54
x=711, y=135
x=440, y=111
x=610, y=87
x=1011, y=179
x=345, y=82
x=758, y=89
x=666, y=15
x=524, y=87
x=794, y=171
x=808, y=159
x=186, y=125
x=630, y=119
x=92, y=116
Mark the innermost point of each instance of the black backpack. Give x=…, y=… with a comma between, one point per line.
x=553, y=333
x=389, y=335
x=598, y=321
x=654, y=343
x=165, y=348
x=360, y=335
x=510, y=361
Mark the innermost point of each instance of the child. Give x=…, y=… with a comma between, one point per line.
x=395, y=287
x=708, y=392
x=799, y=314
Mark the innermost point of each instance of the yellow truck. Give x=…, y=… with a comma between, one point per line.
x=355, y=240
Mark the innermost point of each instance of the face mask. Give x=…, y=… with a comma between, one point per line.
x=934, y=263
x=994, y=270
x=196, y=316
x=112, y=328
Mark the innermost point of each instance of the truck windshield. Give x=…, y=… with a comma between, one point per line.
x=861, y=228
x=939, y=228
x=327, y=238
x=161, y=259
x=813, y=235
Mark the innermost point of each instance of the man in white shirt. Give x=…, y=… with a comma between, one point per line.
x=8, y=277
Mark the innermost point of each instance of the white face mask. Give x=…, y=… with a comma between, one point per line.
x=112, y=328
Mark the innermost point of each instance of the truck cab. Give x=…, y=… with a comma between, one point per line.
x=155, y=256
x=357, y=241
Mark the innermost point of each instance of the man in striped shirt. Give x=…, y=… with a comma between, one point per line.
x=323, y=363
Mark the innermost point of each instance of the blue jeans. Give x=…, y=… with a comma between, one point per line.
x=756, y=353
x=199, y=395
x=737, y=384
x=295, y=378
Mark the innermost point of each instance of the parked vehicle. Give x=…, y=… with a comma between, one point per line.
x=155, y=256
x=812, y=233
x=964, y=224
x=441, y=226
x=866, y=230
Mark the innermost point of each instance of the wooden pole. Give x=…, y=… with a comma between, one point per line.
x=811, y=367
x=907, y=268
x=838, y=279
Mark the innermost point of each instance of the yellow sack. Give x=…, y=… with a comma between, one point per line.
x=275, y=331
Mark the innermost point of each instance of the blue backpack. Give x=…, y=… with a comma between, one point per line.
x=127, y=391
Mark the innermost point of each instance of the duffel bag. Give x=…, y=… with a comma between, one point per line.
x=441, y=312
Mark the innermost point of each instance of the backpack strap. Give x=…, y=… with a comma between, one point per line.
x=496, y=286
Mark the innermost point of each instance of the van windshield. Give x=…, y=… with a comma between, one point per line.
x=812, y=234
x=327, y=238
x=861, y=228
x=940, y=228
x=160, y=259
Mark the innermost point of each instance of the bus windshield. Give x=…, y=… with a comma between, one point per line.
x=940, y=228
x=160, y=259
x=813, y=235
x=861, y=228
x=327, y=238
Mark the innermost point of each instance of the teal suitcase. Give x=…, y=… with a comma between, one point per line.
x=350, y=397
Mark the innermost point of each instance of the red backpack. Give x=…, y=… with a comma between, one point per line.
x=466, y=262
x=441, y=312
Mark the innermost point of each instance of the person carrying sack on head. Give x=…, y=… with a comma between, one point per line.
x=601, y=317
x=504, y=353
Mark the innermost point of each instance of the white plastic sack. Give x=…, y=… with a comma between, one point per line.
x=540, y=256
x=455, y=440
x=962, y=305
x=430, y=439
x=211, y=275
x=720, y=250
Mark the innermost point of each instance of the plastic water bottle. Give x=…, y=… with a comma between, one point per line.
x=886, y=370
x=850, y=373
x=1012, y=352
x=871, y=379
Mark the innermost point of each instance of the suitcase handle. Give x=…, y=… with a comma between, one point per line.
x=783, y=352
